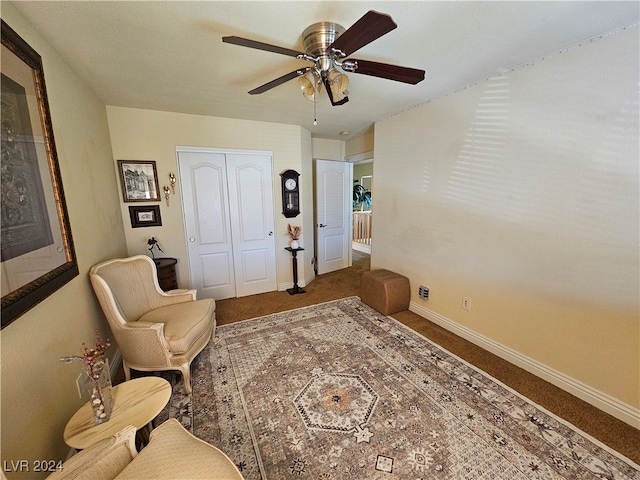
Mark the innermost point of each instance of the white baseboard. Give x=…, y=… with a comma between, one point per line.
x=284, y=286
x=359, y=247
x=115, y=363
x=302, y=282
x=598, y=399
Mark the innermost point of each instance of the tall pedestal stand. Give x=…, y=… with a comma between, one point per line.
x=296, y=289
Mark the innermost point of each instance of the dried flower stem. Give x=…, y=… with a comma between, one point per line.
x=294, y=231
x=92, y=357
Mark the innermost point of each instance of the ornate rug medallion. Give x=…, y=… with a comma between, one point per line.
x=336, y=402
x=339, y=391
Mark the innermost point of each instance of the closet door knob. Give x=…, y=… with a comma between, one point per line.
x=271, y=234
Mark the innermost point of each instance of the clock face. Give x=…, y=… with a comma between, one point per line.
x=290, y=184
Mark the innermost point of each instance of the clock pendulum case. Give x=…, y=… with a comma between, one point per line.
x=290, y=193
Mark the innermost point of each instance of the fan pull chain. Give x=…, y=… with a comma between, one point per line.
x=315, y=101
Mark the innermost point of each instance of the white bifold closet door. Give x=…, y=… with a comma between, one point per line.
x=229, y=222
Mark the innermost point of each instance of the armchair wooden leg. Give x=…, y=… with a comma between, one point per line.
x=127, y=371
x=186, y=377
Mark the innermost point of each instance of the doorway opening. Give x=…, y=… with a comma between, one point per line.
x=362, y=205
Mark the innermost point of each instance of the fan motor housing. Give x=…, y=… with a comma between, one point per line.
x=317, y=37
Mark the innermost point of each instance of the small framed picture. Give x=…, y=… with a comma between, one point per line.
x=145, y=216
x=139, y=181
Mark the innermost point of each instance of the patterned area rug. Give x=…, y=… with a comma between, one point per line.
x=339, y=391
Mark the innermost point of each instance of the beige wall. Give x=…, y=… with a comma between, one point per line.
x=325, y=149
x=361, y=143
x=38, y=392
x=151, y=135
x=521, y=193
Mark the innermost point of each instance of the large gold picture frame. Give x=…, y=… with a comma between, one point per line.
x=38, y=256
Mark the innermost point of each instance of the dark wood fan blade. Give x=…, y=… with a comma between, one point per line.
x=245, y=42
x=327, y=87
x=384, y=70
x=279, y=81
x=371, y=26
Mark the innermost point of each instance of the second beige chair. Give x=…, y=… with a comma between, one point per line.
x=172, y=453
x=154, y=330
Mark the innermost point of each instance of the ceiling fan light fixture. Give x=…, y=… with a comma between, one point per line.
x=339, y=83
x=329, y=46
x=309, y=84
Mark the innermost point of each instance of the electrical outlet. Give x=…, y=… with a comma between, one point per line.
x=423, y=292
x=466, y=303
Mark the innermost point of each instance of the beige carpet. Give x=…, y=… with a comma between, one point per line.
x=339, y=391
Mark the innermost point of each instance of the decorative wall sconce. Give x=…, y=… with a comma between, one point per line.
x=167, y=192
x=172, y=180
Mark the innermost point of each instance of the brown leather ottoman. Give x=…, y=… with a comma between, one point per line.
x=385, y=291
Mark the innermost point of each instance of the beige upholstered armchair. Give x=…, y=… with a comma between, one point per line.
x=154, y=330
x=172, y=453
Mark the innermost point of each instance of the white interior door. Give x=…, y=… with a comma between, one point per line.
x=252, y=223
x=333, y=214
x=229, y=222
x=203, y=182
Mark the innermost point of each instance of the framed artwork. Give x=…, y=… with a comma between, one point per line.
x=139, y=181
x=38, y=256
x=145, y=216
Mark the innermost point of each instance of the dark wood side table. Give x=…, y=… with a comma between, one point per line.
x=166, y=269
x=296, y=288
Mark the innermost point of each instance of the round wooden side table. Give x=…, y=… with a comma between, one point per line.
x=136, y=402
x=166, y=270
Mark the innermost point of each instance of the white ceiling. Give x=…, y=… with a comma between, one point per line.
x=164, y=55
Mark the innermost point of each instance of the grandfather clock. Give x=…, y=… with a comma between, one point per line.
x=290, y=193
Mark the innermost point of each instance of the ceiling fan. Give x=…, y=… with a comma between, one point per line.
x=328, y=45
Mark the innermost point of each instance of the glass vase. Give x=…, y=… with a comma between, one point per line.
x=100, y=389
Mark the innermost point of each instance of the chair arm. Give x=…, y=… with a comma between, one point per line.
x=172, y=297
x=183, y=291
x=143, y=343
x=141, y=325
x=102, y=460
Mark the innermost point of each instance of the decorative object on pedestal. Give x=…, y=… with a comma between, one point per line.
x=96, y=366
x=153, y=243
x=294, y=232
